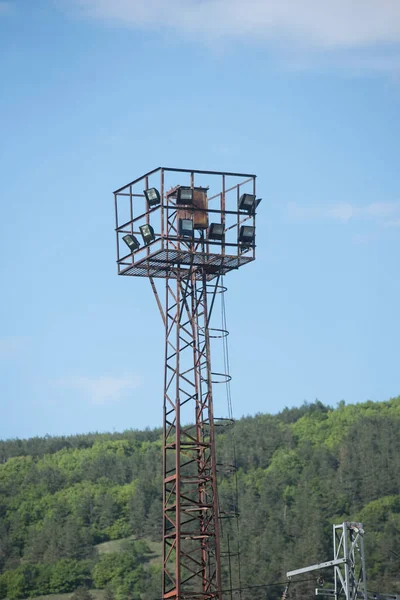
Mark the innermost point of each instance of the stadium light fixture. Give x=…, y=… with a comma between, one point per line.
x=147, y=233
x=247, y=234
x=186, y=227
x=152, y=196
x=184, y=195
x=249, y=203
x=131, y=241
x=216, y=231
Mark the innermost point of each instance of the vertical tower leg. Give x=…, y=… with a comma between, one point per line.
x=191, y=549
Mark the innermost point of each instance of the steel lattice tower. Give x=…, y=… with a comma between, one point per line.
x=187, y=228
x=350, y=582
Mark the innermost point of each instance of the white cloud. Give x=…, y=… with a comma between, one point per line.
x=340, y=212
x=12, y=346
x=314, y=23
x=103, y=389
x=386, y=214
x=382, y=209
x=392, y=223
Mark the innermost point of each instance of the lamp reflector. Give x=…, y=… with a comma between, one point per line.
x=247, y=202
x=216, y=231
x=184, y=195
x=247, y=234
x=186, y=227
x=152, y=196
x=147, y=233
x=131, y=241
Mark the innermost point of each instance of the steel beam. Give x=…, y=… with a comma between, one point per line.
x=317, y=567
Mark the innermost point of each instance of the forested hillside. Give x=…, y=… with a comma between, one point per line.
x=298, y=472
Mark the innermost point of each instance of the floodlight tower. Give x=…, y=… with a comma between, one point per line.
x=187, y=228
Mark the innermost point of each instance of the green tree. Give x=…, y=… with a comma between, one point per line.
x=82, y=593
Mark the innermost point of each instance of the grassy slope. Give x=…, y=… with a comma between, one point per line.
x=104, y=548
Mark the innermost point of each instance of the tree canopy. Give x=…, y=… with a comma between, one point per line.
x=296, y=473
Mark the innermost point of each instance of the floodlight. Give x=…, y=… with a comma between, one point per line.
x=147, y=233
x=249, y=203
x=247, y=234
x=184, y=195
x=131, y=241
x=186, y=227
x=216, y=231
x=152, y=196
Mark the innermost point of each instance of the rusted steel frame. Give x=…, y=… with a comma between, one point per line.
x=240, y=221
x=188, y=398
x=186, y=379
x=200, y=172
x=254, y=220
x=223, y=208
x=171, y=226
x=238, y=218
x=168, y=518
x=191, y=438
x=130, y=195
x=250, y=178
x=170, y=576
x=187, y=345
x=172, y=491
x=189, y=462
x=184, y=556
x=160, y=308
x=138, y=218
x=169, y=329
x=190, y=314
x=137, y=180
x=165, y=572
x=174, y=296
x=148, y=214
x=131, y=208
x=194, y=574
x=196, y=562
x=177, y=454
x=172, y=426
x=169, y=553
x=116, y=224
x=183, y=326
x=207, y=210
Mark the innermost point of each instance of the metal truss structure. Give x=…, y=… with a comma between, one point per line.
x=348, y=565
x=191, y=267
x=350, y=576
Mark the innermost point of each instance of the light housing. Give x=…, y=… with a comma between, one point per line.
x=152, y=196
x=186, y=227
x=147, y=233
x=248, y=203
x=131, y=241
x=216, y=231
x=247, y=234
x=184, y=195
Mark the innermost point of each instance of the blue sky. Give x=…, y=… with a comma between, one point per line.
x=97, y=92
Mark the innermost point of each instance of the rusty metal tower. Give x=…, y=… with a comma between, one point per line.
x=184, y=230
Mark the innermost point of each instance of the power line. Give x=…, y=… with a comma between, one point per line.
x=230, y=416
x=259, y=586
